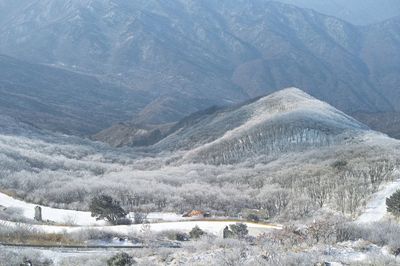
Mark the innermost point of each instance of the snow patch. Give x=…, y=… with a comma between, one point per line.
x=52, y=214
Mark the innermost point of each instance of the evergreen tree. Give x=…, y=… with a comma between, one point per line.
x=393, y=203
x=239, y=230
x=105, y=207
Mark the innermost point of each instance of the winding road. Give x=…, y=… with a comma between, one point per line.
x=376, y=207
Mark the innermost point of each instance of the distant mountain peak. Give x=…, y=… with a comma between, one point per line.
x=284, y=121
x=293, y=100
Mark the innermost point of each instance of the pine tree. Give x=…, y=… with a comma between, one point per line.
x=393, y=203
x=105, y=207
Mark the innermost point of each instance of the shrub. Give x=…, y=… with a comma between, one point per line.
x=173, y=235
x=196, y=232
x=239, y=230
x=340, y=164
x=181, y=237
x=253, y=217
x=121, y=259
x=123, y=221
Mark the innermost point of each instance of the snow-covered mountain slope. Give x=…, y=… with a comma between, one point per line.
x=287, y=120
x=288, y=142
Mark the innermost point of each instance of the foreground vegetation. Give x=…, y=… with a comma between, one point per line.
x=327, y=239
x=315, y=192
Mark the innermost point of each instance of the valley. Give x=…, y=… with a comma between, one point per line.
x=199, y=160
x=188, y=132
x=229, y=169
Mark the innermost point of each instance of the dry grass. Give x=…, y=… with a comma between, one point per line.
x=39, y=239
x=23, y=234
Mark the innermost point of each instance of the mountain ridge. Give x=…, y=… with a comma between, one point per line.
x=361, y=12
x=310, y=122
x=287, y=106
x=191, y=55
x=62, y=100
x=287, y=120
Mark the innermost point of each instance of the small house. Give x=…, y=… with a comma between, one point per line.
x=197, y=213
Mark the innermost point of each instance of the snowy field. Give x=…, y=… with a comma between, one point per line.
x=212, y=227
x=61, y=216
x=79, y=218
x=83, y=220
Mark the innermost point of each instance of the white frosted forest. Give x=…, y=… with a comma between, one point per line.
x=200, y=133
x=286, y=166
x=297, y=173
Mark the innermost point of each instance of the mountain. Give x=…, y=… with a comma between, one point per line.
x=288, y=120
x=359, y=12
x=189, y=55
x=134, y=42
x=388, y=122
x=380, y=52
x=266, y=147
x=61, y=100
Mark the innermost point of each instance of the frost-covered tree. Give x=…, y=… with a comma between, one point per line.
x=105, y=207
x=393, y=203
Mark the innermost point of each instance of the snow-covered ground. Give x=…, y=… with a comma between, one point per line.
x=165, y=217
x=376, y=207
x=213, y=227
x=83, y=220
x=61, y=216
